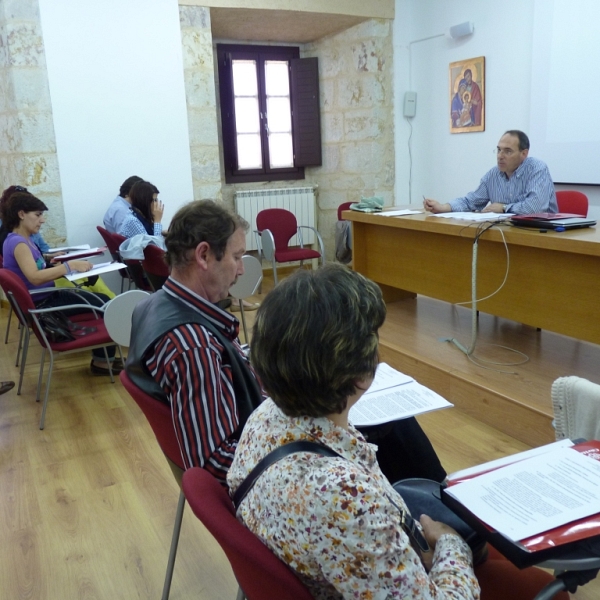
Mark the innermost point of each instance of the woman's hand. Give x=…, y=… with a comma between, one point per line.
x=433, y=530
x=157, y=210
x=81, y=266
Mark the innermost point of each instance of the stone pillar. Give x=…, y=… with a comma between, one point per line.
x=199, y=75
x=27, y=141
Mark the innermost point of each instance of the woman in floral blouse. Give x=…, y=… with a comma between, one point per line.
x=336, y=521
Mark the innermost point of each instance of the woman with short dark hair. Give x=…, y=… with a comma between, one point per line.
x=146, y=211
x=336, y=520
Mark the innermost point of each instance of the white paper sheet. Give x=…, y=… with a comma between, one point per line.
x=68, y=248
x=97, y=270
x=392, y=404
x=399, y=213
x=534, y=495
x=509, y=460
x=387, y=377
x=473, y=216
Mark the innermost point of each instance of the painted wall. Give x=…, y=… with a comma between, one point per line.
x=446, y=165
x=115, y=72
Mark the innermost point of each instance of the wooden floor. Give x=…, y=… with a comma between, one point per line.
x=87, y=505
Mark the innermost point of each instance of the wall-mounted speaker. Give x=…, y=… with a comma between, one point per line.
x=461, y=30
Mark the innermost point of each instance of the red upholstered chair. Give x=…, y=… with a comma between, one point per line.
x=261, y=575
x=155, y=267
x=135, y=272
x=23, y=306
x=159, y=416
x=277, y=227
x=341, y=208
x=570, y=201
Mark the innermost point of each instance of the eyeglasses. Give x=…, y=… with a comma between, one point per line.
x=503, y=151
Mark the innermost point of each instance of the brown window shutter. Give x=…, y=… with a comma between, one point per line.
x=306, y=115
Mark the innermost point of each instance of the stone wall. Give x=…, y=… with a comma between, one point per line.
x=199, y=75
x=27, y=142
x=357, y=126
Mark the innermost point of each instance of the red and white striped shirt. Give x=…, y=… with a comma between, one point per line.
x=188, y=363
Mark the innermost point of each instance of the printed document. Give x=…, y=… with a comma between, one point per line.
x=97, y=270
x=393, y=396
x=534, y=495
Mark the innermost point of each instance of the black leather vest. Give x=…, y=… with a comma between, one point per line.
x=160, y=313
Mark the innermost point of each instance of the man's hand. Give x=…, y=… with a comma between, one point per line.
x=495, y=207
x=435, y=207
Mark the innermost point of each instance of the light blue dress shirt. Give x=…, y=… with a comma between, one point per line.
x=529, y=190
x=117, y=212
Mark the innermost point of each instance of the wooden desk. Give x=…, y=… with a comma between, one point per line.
x=553, y=279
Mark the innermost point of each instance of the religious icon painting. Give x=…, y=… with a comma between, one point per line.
x=467, y=95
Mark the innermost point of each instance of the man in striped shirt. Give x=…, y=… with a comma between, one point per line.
x=185, y=349
x=519, y=184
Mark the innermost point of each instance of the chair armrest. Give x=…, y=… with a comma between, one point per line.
x=90, y=307
x=319, y=240
x=76, y=290
x=267, y=244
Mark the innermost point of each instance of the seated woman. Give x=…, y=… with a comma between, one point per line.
x=23, y=216
x=146, y=211
x=337, y=521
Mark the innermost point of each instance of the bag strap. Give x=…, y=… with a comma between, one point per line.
x=273, y=457
x=408, y=524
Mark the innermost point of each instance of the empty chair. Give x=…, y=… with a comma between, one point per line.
x=276, y=227
x=155, y=267
x=246, y=285
x=570, y=201
x=261, y=575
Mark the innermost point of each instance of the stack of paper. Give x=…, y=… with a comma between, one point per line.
x=393, y=396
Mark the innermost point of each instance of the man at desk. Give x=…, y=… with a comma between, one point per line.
x=519, y=184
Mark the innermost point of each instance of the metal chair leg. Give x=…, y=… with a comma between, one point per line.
x=10, y=312
x=43, y=417
x=174, y=543
x=23, y=361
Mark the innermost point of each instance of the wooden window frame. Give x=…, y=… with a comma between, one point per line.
x=306, y=142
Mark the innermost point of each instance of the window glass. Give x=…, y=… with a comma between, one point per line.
x=249, y=151
x=277, y=79
x=244, y=78
x=281, y=152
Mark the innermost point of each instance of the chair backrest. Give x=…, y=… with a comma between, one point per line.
x=571, y=201
x=111, y=243
x=342, y=208
x=261, y=575
x=159, y=416
x=248, y=283
x=576, y=404
x=118, y=313
x=155, y=266
x=17, y=294
x=280, y=222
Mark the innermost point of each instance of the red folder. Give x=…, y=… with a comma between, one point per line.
x=567, y=534
x=79, y=254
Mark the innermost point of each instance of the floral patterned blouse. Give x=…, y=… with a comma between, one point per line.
x=330, y=518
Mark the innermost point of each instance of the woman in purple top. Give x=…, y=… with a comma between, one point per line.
x=23, y=216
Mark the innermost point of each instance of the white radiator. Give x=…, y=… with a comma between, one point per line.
x=300, y=201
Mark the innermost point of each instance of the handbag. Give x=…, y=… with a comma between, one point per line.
x=59, y=328
x=408, y=524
